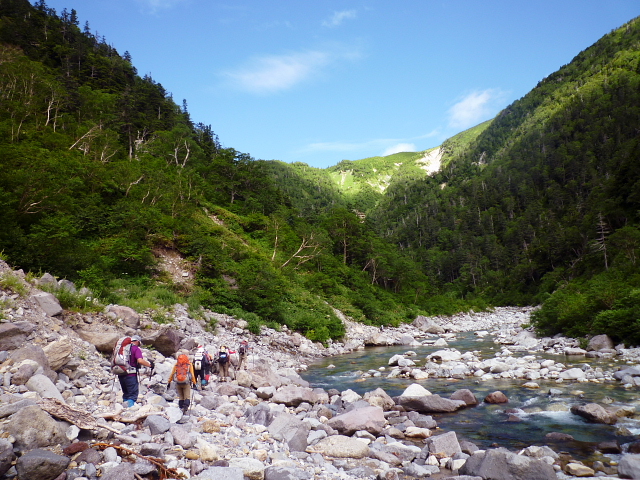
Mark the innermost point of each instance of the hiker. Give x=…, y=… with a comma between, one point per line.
x=243, y=351
x=126, y=360
x=185, y=378
x=223, y=361
x=202, y=366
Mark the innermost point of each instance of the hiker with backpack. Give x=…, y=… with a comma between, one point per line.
x=243, y=352
x=224, y=357
x=202, y=366
x=125, y=362
x=185, y=377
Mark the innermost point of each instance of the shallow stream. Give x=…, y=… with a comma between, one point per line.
x=525, y=420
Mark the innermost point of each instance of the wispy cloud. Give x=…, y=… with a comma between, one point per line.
x=273, y=73
x=475, y=108
x=385, y=146
x=156, y=5
x=397, y=148
x=338, y=17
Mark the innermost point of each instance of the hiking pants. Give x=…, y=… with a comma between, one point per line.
x=224, y=370
x=129, y=385
x=184, y=391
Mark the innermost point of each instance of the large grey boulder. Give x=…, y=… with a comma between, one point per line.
x=370, y=419
x=220, y=473
x=465, y=395
x=426, y=324
x=103, y=337
x=59, y=353
x=443, y=445
x=600, y=342
x=285, y=473
x=157, y=424
x=292, y=396
x=124, y=471
x=379, y=398
x=431, y=404
x=127, y=315
x=6, y=455
x=13, y=335
x=44, y=387
x=48, y=302
x=292, y=430
x=7, y=409
x=36, y=354
x=340, y=446
x=41, y=465
x=168, y=341
x=501, y=464
x=594, y=413
x=33, y=428
x=264, y=376
x=629, y=466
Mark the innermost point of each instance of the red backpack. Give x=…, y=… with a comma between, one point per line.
x=120, y=357
x=183, y=373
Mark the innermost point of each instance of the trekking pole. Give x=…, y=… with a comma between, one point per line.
x=193, y=392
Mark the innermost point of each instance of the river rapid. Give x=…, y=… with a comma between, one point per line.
x=531, y=413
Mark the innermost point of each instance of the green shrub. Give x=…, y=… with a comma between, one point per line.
x=10, y=281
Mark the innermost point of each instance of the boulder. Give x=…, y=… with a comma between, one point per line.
x=13, y=335
x=44, y=387
x=594, y=413
x=340, y=446
x=59, y=353
x=500, y=464
x=465, y=395
x=6, y=456
x=573, y=374
x=629, y=466
x=48, y=302
x=600, y=342
x=293, y=396
x=168, y=341
x=496, y=397
x=370, y=419
x=448, y=355
x=34, y=353
x=103, y=337
x=379, y=398
x=293, y=430
x=41, y=465
x=252, y=469
x=427, y=325
x=264, y=376
x=430, y=404
x=128, y=315
x=33, y=428
x=445, y=445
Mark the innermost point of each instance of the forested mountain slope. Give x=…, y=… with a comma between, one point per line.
x=103, y=174
x=545, y=199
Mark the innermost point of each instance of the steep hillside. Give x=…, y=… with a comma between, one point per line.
x=106, y=181
x=547, y=195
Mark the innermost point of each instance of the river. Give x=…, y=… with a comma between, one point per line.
x=529, y=415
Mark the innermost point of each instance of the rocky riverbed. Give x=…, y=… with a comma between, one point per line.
x=61, y=415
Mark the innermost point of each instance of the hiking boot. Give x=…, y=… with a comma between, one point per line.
x=128, y=403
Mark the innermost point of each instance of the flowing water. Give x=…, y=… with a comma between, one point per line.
x=525, y=420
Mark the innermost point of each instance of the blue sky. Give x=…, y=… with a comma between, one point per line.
x=319, y=82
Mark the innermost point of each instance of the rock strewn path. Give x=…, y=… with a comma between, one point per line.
x=266, y=424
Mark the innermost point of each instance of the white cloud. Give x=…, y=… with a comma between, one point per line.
x=400, y=147
x=273, y=73
x=338, y=17
x=475, y=108
x=155, y=5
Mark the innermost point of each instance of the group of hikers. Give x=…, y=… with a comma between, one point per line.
x=188, y=372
